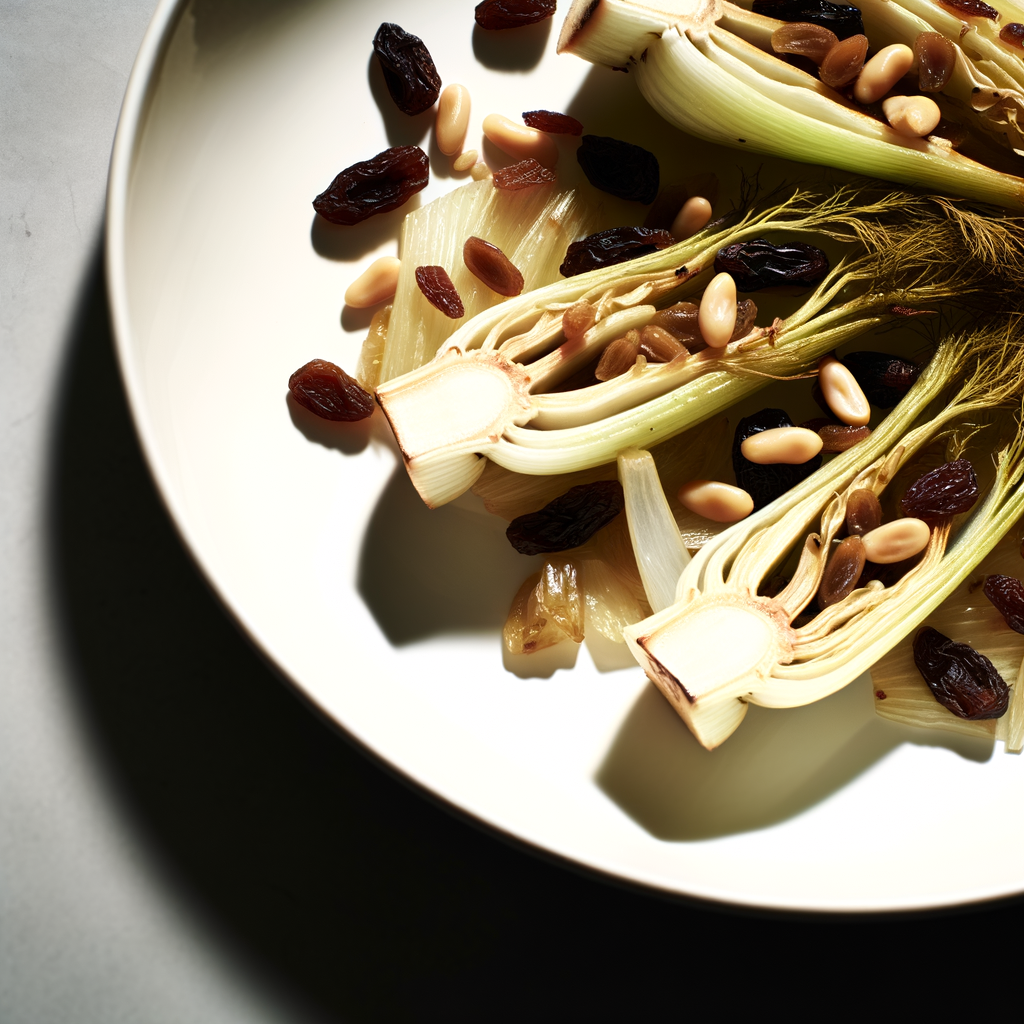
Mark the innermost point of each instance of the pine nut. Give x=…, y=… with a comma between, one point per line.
x=713, y=500
x=479, y=171
x=843, y=62
x=936, y=59
x=863, y=512
x=912, y=116
x=375, y=284
x=452, y=119
x=694, y=215
x=791, y=446
x=804, y=39
x=716, y=316
x=842, y=393
x=892, y=542
x=880, y=73
x=840, y=577
x=464, y=161
x=519, y=141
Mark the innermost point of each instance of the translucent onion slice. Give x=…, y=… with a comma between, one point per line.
x=547, y=609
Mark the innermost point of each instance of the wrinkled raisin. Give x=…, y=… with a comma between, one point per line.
x=843, y=19
x=619, y=168
x=947, y=491
x=971, y=9
x=760, y=264
x=524, y=174
x=961, y=679
x=329, y=392
x=1013, y=33
x=616, y=245
x=838, y=437
x=1007, y=594
x=568, y=521
x=374, y=186
x=500, y=14
x=409, y=70
x=883, y=378
x=766, y=483
x=437, y=286
x=490, y=265
x=552, y=122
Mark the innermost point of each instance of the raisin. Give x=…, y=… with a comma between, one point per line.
x=500, y=14
x=552, y=122
x=843, y=19
x=329, y=392
x=760, y=264
x=490, y=265
x=618, y=357
x=374, y=186
x=568, y=521
x=766, y=483
x=936, y=59
x=884, y=379
x=409, y=70
x=1007, y=594
x=619, y=168
x=437, y=286
x=946, y=491
x=1013, y=33
x=616, y=245
x=843, y=63
x=961, y=679
x=840, y=577
x=863, y=512
x=838, y=437
x=524, y=174
x=971, y=9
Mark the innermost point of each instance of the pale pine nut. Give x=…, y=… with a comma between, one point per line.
x=842, y=392
x=694, y=215
x=892, y=542
x=791, y=446
x=716, y=316
x=912, y=116
x=880, y=73
x=713, y=500
x=452, y=119
x=375, y=284
x=479, y=171
x=519, y=141
x=464, y=161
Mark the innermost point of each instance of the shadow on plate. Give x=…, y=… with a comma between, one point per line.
x=517, y=49
x=778, y=764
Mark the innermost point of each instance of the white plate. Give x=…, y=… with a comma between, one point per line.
x=388, y=616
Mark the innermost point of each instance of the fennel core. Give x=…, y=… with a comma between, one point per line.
x=488, y=390
x=722, y=646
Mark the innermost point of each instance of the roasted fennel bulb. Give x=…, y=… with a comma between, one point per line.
x=708, y=67
x=724, y=644
x=489, y=390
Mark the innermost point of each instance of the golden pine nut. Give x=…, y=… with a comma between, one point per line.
x=913, y=116
x=695, y=213
x=375, y=284
x=452, y=119
x=479, y=171
x=842, y=392
x=716, y=316
x=882, y=72
x=519, y=141
x=713, y=500
x=791, y=446
x=464, y=161
x=892, y=542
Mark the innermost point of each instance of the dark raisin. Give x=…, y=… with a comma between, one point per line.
x=971, y=9
x=760, y=264
x=329, y=392
x=499, y=14
x=840, y=577
x=489, y=264
x=838, y=437
x=947, y=491
x=843, y=19
x=524, y=174
x=568, y=521
x=408, y=68
x=766, y=483
x=884, y=379
x=619, y=168
x=552, y=122
x=437, y=286
x=1013, y=33
x=863, y=512
x=961, y=680
x=616, y=245
x=1007, y=594
x=374, y=186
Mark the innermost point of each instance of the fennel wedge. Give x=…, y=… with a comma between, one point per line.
x=723, y=645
